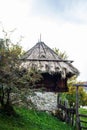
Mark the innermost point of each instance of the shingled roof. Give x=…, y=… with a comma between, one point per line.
x=45, y=59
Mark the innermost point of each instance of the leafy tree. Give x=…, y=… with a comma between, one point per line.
x=63, y=55
x=12, y=75
x=71, y=95
x=9, y=64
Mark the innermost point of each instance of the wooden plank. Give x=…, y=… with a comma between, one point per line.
x=81, y=115
x=80, y=85
x=84, y=127
x=83, y=121
x=62, y=107
x=77, y=112
x=71, y=110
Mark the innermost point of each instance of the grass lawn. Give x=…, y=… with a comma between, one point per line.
x=83, y=111
x=31, y=120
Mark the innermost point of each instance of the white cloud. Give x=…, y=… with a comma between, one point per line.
x=76, y=11
x=14, y=12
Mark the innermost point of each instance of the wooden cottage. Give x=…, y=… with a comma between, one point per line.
x=53, y=68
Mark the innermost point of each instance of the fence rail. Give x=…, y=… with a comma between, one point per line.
x=82, y=122
x=69, y=112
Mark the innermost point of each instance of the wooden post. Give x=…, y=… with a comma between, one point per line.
x=77, y=105
x=58, y=100
x=77, y=109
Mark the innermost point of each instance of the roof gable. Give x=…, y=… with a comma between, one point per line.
x=41, y=52
x=46, y=60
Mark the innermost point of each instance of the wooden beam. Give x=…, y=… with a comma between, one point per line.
x=68, y=61
x=80, y=85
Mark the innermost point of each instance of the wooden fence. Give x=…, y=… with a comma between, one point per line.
x=80, y=124
x=70, y=112
x=67, y=113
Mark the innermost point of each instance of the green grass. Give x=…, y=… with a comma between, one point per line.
x=31, y=120
x=84, y=112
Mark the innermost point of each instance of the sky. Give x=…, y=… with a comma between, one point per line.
x=61, y=23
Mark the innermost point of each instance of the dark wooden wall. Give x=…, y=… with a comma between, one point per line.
x=53, y=83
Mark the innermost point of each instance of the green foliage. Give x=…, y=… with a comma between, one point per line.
x=29, y=78
x=62, y=55
x=12, y=75
x=31, y=120
x=9, y=64
x=71, y=95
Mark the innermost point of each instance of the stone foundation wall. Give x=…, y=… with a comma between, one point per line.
x=46, y=101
